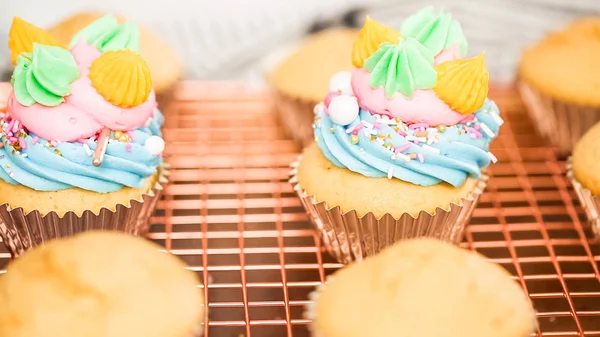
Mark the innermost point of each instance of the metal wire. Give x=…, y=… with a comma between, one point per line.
x=231, y=215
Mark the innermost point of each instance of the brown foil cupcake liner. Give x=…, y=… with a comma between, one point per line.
x=350, y=237
x=297, y=117
x=21, y=231
x=165, y=97
x=589, y=201
x=559, y=122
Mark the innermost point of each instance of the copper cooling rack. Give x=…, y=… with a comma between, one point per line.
x=230, y=213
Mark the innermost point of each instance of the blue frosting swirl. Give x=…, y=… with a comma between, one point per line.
x=69, y=164
x=461, y=151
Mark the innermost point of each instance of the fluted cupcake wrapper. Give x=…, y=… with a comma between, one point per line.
x=297, y=117
x=559, y=122
x=21, y=231
x=350, y=237
x=589, y=201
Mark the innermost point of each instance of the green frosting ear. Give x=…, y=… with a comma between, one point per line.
x=126, y=35
x=45, y=76
x=404, y=68
x=107, y=34
x=435, y=31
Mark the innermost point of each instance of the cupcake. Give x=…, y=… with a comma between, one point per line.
x=100, y=284
x=424, y=288
x=401, y=143
x=300, y=80
x=558, y=83
x=582, y=169
x=80, y=143
x=164, y=63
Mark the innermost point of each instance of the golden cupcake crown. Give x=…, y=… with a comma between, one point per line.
x=122, y=77
x=370, y=38
x=463, y=84
x=23, y=35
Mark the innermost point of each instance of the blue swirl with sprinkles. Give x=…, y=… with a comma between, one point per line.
x=45, y=165
x=377, y=146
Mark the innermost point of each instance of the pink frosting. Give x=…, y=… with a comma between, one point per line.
x=423, y=107
x=449, y=54
x=85, y=112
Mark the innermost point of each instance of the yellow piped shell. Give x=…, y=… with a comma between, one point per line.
x=122, y=77
x=370, y=37
x=23, y=35
x=463, y=84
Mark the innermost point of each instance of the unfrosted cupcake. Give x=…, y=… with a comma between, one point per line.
x=559, y=83
x=401, y=142
x=164, y=63
x=102, y=285
x=80, y=144
x=583, y=169
x=423, y=288
x=302, y=78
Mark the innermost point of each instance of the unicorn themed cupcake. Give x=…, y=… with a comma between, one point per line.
x=402, y=142
x=80, y=143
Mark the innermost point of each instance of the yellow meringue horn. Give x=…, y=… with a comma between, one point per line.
x=122, y=77
x=370, y=37
x=463, y=84
x=23, y=35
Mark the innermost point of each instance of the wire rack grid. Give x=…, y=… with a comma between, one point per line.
x=231, y=215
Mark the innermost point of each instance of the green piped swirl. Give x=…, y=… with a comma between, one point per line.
x=436, y=31
x=107, y=34
x=44, y=76
x=403, y=67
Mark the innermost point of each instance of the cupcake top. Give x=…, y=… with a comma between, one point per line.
x=426, y=288
x=586, y=160
x=306, y=72
x=164, y=63
x=82, y=115
x=102, y=284
x=414, y=109
x=564, y=65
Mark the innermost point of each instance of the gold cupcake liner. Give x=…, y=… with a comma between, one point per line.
x=297, y=117
x=559, y=122
x=349, y=237
x=589, y=201
x=21, y=231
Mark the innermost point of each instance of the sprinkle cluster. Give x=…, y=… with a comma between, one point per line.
x=417, y=134
x=14, y=135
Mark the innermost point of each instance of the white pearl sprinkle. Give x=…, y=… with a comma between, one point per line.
x=343, y=109
x=155, y=145
x=342, y=83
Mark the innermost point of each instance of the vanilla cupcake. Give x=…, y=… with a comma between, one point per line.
x=80, y=144
x=301, y=79
x=558, y=81
x=103, y=285
x=165, y=65
x=582, y=170
x=401, y=143
x=423, y=288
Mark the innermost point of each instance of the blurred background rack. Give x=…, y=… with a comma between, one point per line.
x=230, y=213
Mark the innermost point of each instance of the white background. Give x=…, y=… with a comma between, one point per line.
x=228, y=39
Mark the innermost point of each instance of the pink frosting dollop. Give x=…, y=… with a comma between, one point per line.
x=423, y=107
x=84, y=112
x=449, y=54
